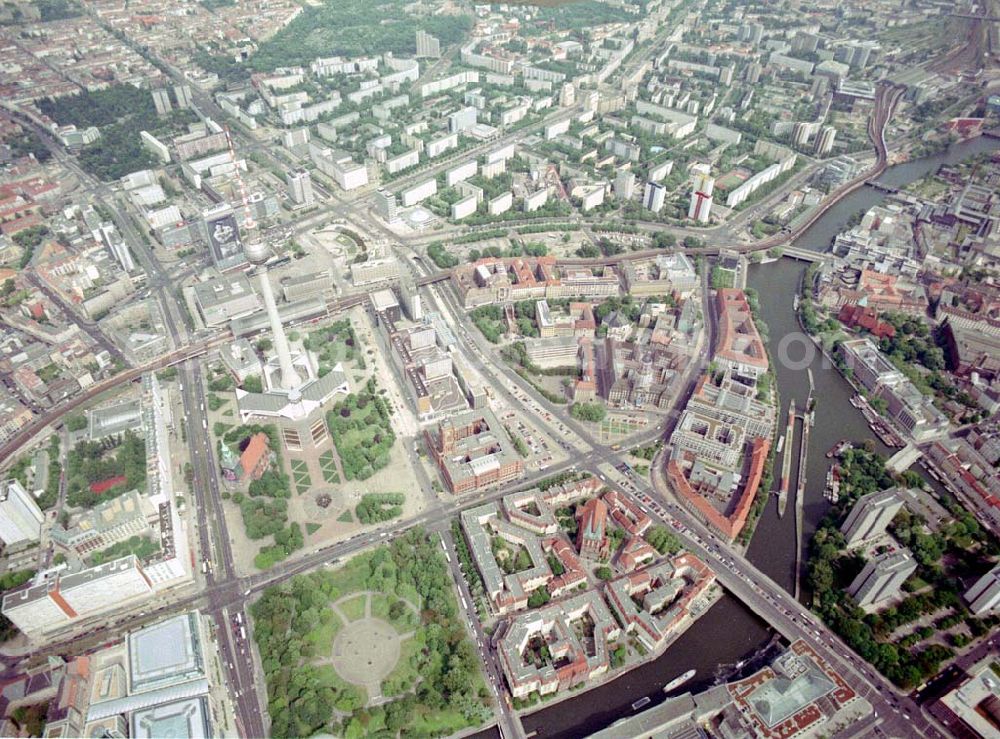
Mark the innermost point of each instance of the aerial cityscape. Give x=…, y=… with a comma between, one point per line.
x=554, y=368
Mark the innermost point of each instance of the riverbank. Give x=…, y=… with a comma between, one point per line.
x=714, y=596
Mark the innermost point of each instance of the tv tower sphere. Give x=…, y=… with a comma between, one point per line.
x=256, y=251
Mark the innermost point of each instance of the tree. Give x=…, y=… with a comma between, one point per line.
x=594, y=412
x=604, y=573
x=76, y=422
x=253, y=384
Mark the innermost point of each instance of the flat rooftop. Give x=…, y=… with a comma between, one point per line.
x=166, y=653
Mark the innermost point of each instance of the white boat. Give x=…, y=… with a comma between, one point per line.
x=644, y=701
x=678, y=681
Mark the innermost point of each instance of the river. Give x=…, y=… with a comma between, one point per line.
x=729, y=632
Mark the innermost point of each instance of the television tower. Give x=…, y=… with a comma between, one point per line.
x=257, y=253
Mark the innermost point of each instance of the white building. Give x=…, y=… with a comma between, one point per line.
x=418, y=193
x=654, y=197
x=300, y=187
x=501, y=203
x=536, y=200
x=461, y=172
x=462, y=120
x=20, y=517
x=464, y=208
x=440, y=145
x=427, y=45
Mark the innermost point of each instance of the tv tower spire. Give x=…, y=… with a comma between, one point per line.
x=257, y=252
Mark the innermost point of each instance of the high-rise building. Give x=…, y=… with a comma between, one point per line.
x=20, y=517
x=752, y=32
x=427, y=45
x=871, y=515
x=824, y=143
x=386, y=205
x=161, y=99
x=409, y=297
x=726, y=75
x=654, y=197
x=984, y=596
x=801, y=133
x=300, y=187
x=462, y=120
x=882, y=577
x=704, y=182
x=624, y=185
x=567, y=95
x=700, y=208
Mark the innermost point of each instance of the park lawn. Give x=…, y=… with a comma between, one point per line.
x=380, y=606
x=327, y=677
x=346, y=516
x=380, y=609
x=312, y=528
x=350, y=578
x=437, y=723
x=354, y=608
x=322, y=636
x=328, y=467
x=409, y=593
x=405, y=676
x=302, y=483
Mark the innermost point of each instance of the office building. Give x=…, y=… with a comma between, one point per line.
x=57, y=598
x=167, y=653
x=300, y=187
x=20, y=517
x=654, y=197
x=427, y=45
x=740, y=347
x=220, y=300
x=871, y=515
x=984, y=596
x=386, y=206
x=882, y=578
x=374, y=270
